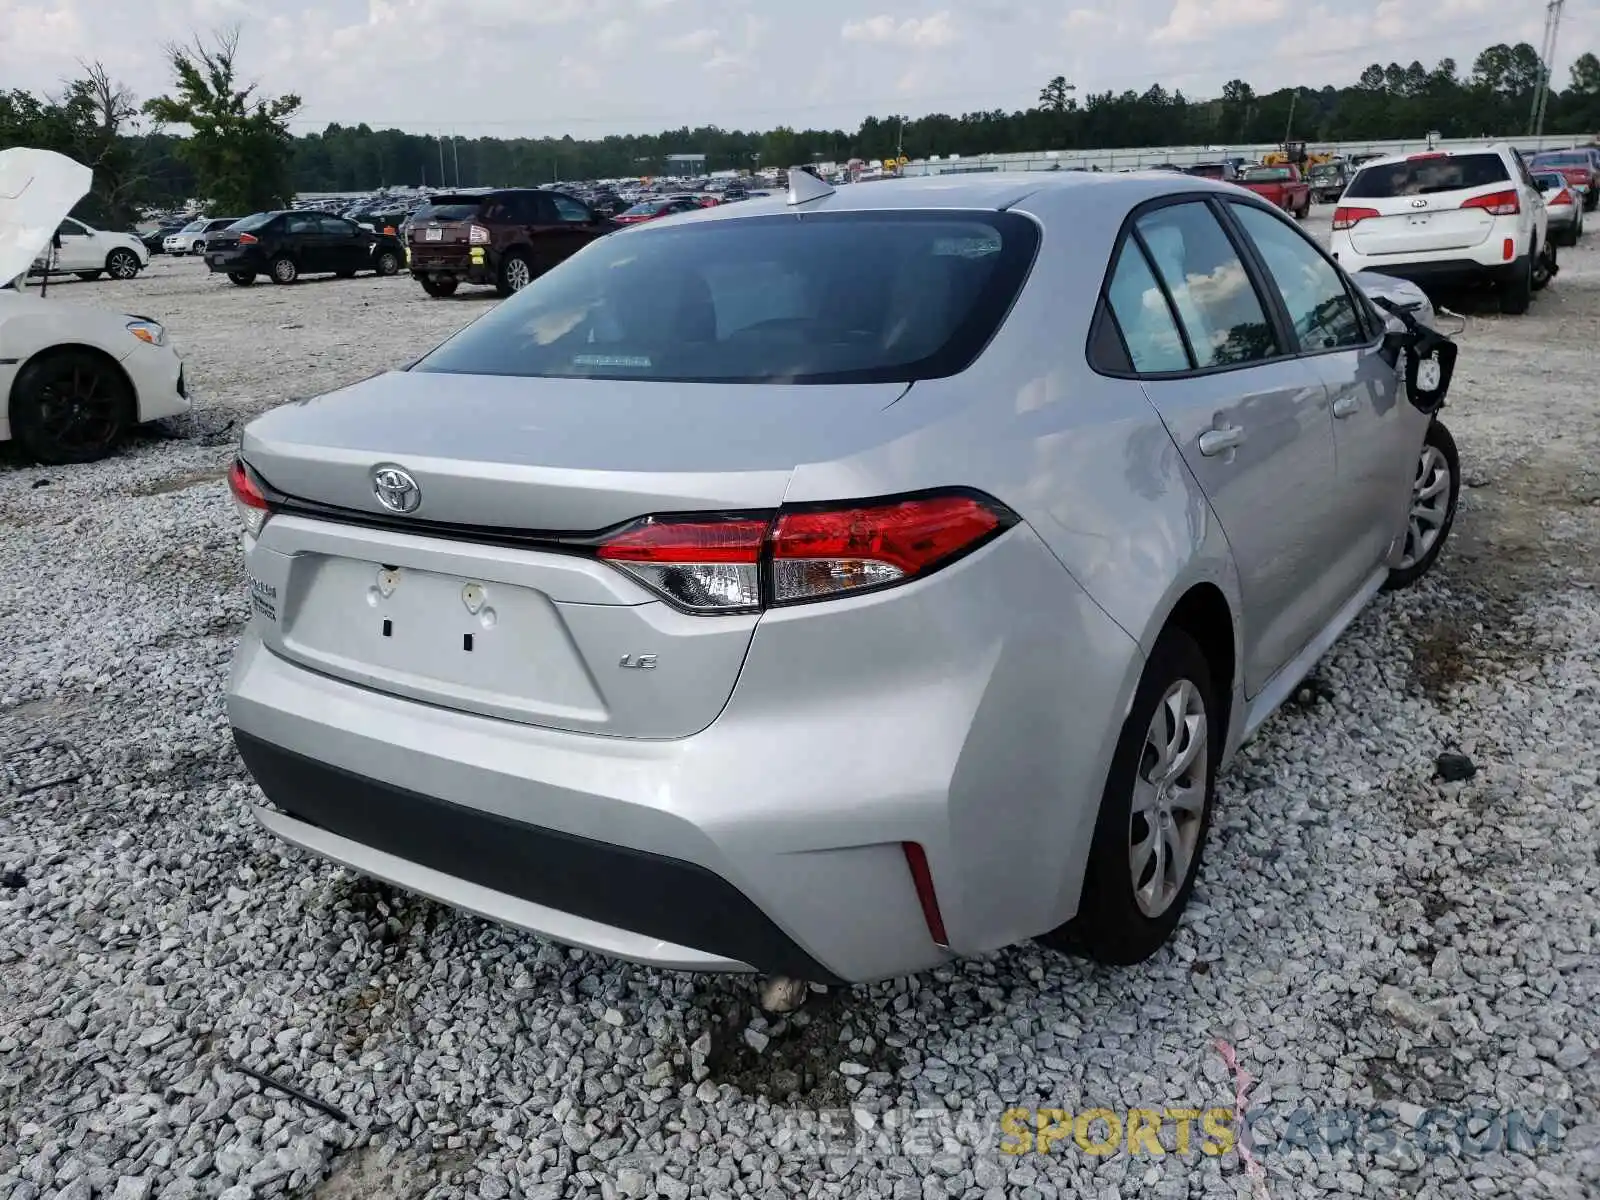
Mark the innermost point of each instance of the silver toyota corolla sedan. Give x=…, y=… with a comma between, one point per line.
x=835, y=584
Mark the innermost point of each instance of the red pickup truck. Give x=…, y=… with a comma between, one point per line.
x=1282, y=185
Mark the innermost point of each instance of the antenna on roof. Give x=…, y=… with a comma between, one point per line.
x=805, y=187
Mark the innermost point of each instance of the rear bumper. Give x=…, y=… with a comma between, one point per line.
x=1438, y=270
x=629, y=903
x=462, y=265
x=235, y=261
x=974, y=714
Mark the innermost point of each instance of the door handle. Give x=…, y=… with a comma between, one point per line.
x=1346, y=406
x=1219, y=441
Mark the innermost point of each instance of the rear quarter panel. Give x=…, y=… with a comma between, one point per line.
x=1084, y=459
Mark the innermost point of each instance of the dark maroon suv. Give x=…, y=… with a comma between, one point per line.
x=505, y=237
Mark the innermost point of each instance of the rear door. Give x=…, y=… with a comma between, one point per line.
x=570, y=226
x=1376, y=432
x=1426, y=203
x=1249, y=416
x=346, y=243
x=79, y=249
x=301, y=241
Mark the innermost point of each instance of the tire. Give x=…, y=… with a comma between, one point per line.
x=242, y=278
x=88, y=276
x=437, y=288
x=516, y=273
x=388, y=263
x=1544, y=267
x=199, y=246
x=284, y=270
x=1517, y=294
x=1438, y=474
x=1113, y=923
x=72, y=406
x=123, y=264
x=1591, y=199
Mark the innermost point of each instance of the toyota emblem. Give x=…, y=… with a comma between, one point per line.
x=395, y=489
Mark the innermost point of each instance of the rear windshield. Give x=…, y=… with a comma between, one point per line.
x=253, y=221
x=1424, y=176
x=1550, y=179
x=194, y=226
x=1565, y=158
x=1323, y=170
x=647, y=208
x=1266, y=174
x=864, y=297
x=449, y=208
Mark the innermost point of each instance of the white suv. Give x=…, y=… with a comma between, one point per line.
x=1448, y=217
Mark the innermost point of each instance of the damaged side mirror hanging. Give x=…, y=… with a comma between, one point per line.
x=1428, y=357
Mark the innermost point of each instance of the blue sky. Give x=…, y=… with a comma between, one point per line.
x=590, y=67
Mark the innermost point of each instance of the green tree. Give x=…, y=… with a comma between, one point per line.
x=239, y=144
x=1056, y=96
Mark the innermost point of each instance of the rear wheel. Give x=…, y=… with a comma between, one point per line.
x=122, y=263
x=242, y=278
x=388, y=262
x=515, y=274
x=1517, y=293
x=1154, y=813
x=437, y=288
x=284, y=270
x=1544, y=267
x=1434, y=494
x=70, y=407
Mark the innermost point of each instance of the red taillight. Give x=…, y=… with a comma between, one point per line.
x=248, y=498
x=821, y=553
x=1345, y=218
x=1499, y=204
x=1562, y=197
x=1509, y=250
x=922, y=880
x=742, y=562
x=247, y=239
x=1426, y=157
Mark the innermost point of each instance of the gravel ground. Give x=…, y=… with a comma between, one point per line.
x=1405, y=968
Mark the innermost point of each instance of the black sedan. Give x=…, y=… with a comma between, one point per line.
x=286, y=244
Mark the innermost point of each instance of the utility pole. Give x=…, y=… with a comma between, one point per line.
x=1288, y=125
x=444, y=180
x=455, y=155
x=1547, y=55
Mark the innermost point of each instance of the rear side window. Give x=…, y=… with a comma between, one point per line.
x=1320, y=308
x=569, y=210
x=1148, y=329
x=861, y=297
x=1425, y=175
x=1216, y=301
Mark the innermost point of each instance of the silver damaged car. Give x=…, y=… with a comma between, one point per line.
x=834, y=584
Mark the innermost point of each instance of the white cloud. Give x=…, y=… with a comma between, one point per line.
x=1201, y=20
x=693, y=42
x=917, y=32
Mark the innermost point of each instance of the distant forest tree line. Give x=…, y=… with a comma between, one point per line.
x=243, y=157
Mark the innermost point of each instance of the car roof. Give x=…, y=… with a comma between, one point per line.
x=1442, y=152
x=995, y=192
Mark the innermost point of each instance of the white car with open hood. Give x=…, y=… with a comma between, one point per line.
x=73, y=378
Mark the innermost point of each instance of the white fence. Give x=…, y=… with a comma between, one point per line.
x=1183, y=156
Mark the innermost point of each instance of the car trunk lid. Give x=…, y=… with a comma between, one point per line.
x=1419, y=224
x=475, y=601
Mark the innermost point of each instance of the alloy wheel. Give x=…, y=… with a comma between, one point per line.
x=517, y=274
x=1169, y=799
x=123, y=265
x=1430, y=506
x=78, y=412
